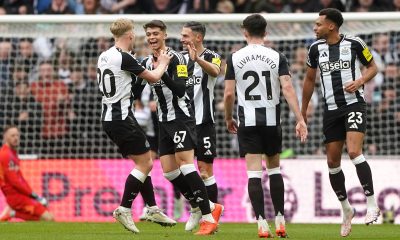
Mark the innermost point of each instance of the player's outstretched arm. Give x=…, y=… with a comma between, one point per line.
x=155, y=75
x=291, y=98
x=370, y=73
x=308, y=89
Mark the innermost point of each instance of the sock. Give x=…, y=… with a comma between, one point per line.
x=371, y=202
x=212, y=189
x=26, y=217
x=178, y=180
x=337, y=180
x=208, y=217
x=147, y=192
x=346, y=206
x=364, y=175
x=279, y=219
x=277, y=189
x=177, y=192
x=256, y=193
x=133, y=183
x=196, y=184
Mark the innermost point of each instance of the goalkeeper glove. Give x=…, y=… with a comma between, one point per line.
x=41, y=200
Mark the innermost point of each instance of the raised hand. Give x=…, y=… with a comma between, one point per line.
x=163, y=59
x=192, y=51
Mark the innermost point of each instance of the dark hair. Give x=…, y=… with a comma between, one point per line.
x=8, y=127
x=255, y=25
x=333, y=15
x=155, y=23
x=196, y=27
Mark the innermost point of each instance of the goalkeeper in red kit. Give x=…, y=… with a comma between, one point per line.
x=22, y=202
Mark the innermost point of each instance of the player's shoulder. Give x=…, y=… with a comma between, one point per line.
x=355, y=39
x=209, y=52
x=318, y=42
x=176, y=56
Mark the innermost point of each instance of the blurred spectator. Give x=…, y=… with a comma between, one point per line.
x=54, y=97
x=26, y=57
x=17, y=6
x=328, y=4
x=123, y=6
x=298, y=6
x=262, y=6
x=24, y=112
x=164, y=6
x=94, y=47
x=365, y=6
x=381, y=44
x=6, y=61
x=63, y=63
x=225, y=6
x=395, y=6
x=90, y=7
x=201, y=6
x=83, y=117
x=59, y=7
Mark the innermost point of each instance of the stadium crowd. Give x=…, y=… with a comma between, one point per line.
x=48, y=87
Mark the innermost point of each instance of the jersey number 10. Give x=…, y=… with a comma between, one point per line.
x=267, y=78
x=101, y=77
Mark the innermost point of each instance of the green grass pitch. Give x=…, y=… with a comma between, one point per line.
x=227, y=231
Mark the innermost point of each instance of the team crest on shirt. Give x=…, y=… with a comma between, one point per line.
x=181, y=70
x=345, y=50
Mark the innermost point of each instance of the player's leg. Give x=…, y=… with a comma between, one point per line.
x=354, y=142
x=334, y=131
x=28, y=209
x=206, y=152
x=337, y=180
x=277, y=190
x=210, y=218
x=251, y=148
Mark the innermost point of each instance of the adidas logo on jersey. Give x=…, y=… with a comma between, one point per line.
x=208, y=152
x=180, y=145
x=324, y=54
x=354, y=126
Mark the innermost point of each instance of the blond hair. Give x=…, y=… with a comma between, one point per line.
x=121, y=26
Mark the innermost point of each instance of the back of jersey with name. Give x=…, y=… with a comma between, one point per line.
x=115, y=73
x=256, y=70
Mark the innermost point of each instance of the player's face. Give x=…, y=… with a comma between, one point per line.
x=12, y=138
x=323, y=27
x=155, y=38
x=187, y=36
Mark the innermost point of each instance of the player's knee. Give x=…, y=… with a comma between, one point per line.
x=47, y=216
x=354, y=154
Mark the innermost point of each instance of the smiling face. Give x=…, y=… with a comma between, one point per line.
x=155, y=38
x=187, y=36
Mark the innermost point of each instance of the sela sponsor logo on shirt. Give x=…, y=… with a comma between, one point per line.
x=193, y=80
x=334, y=66
x=159, y=83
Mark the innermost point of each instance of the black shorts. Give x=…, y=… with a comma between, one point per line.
x=153, y=143
x=127, y=135
x=206, y=142
x=348, y=118
x=176, y=136
x=260, y=140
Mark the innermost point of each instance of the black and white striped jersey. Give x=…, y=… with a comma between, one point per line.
x=116, y=73
x=339, y=64
x=257, y=69
x=170, y=106
x=203, y=91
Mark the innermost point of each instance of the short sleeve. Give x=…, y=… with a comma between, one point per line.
x=312, y=58
x=283, y=65
x=230, y=71
x=130, y=64
x=213, y=58
x=177, y=68
x=363, y=53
